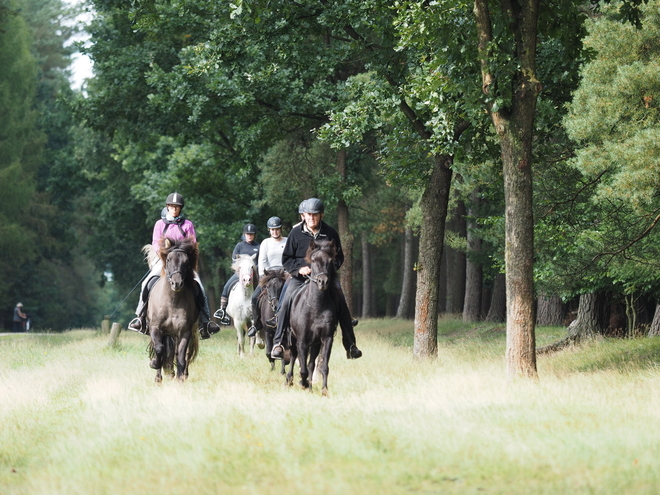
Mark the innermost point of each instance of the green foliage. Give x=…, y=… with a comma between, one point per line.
x=615, y=122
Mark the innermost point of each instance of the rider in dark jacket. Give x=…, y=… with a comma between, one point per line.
x=293, y=260
x=246, y=246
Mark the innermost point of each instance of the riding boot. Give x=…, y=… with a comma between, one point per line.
x=252, y=331
x=138, y=324
x=221, y=314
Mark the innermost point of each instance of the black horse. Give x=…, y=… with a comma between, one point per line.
x=172, y=312
x=271, y=286
x=313, y=319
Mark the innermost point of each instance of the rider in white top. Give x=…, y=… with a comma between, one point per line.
x=270, y=258
x=270, y=252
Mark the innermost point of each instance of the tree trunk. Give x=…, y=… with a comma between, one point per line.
x=367, y=292
x=407, y=284
x=497, y=309
x=654, y=329
x=551, y=311
x=434, y=213
x=473, y=269
x=589, y=322
x=514, y=126
x=456, y=264
x=347, y=239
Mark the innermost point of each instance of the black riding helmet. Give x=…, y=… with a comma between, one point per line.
x=313, y=205
x=175, y=199
x=250, y=228
x=274, y=223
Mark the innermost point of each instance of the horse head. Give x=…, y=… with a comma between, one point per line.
x=179, y=261
x=321, y=258
x=245, y=269
x=272, y=283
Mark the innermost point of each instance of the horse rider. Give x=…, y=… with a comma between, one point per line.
x=270, y=258
x=173, y=224
x=294, y=262
x=19, y=318
x=247, y=246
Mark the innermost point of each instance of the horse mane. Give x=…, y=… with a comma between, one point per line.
x=237, y=261
x=187, y=245
x=320, y=245
x=270, y=275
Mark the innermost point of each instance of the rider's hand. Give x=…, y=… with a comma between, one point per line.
x=304, y=271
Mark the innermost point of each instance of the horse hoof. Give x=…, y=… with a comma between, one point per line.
x=324, y=392
x=158, y=379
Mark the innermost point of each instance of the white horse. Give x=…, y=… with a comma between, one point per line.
x=239, y=305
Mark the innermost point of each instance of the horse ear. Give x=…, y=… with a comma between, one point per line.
x=168, y=243
x=312, y=244
x=254, y=256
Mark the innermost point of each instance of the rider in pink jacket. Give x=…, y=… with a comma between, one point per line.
x=174, y=226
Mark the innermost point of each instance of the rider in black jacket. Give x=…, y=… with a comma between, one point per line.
x=293, y=260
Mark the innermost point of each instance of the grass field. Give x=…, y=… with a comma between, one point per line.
x=81, y=418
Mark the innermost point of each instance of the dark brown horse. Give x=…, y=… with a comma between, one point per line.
x=313, y=320
x=172, y=312
x=271, y=286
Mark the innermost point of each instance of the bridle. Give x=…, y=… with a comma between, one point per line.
x=171, y=274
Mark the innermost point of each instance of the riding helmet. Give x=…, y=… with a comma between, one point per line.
x=301, y=207
x=175, y=199
x=274, y=223
x=313, y=205
x=250, y=228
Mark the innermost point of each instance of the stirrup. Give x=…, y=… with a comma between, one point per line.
x=137, y=326
x=277, y=352
x=252, y=331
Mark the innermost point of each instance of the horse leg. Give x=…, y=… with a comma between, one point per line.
x=325, y=364
x=311, y=366
x=269, y=347
x=261, y=343
x=294, y=355
x=158, y=348
x=239, y=337
x=303, y=353
x=181, y=354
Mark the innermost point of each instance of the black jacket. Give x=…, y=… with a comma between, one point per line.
x=297, y=243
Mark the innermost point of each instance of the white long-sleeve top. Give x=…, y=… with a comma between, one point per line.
x=270, y=254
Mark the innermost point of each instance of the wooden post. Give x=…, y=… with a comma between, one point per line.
x=114, y=334
x=105, y=326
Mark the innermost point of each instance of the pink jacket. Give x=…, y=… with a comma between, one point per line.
x=173, y=232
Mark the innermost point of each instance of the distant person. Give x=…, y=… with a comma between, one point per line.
x=246, y=246
x=19, y=318
x=175, y=226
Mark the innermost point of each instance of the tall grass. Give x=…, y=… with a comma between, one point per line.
x=80, y=418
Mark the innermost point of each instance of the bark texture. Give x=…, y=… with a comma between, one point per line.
x=654, y=329
x=551, y=311
x=408, y=280
x=514, y=126
x=589, y=322
x=497, y=309
x=434, y=213
x=456, y=264
x=473, y=269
